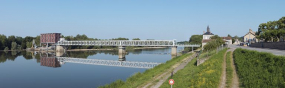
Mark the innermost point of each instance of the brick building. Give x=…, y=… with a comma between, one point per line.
x=50, y=38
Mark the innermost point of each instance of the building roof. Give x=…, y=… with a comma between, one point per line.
x=227, y=38
x=208, y=31
x=251, y=32
x=50, y=33
x=206, y=40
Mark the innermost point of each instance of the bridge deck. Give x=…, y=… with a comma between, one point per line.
x=126, y=43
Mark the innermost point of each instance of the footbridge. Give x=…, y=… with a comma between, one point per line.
x=130, y=64
x=123, y=43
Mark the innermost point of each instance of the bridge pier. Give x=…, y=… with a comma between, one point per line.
x=122, y=57
x=59, y=48
x=122, y=50
x=174, y=50
x=122, y=53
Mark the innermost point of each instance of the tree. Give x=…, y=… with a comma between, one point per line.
x=6, y=49
x=38, y=40
x=136, y=38
x=215, y=42
x=11, y=39
x=229, y=35
x=29, y=44
x=272, y=30
x=14, y=46
x=3, y=40
x=196, y=39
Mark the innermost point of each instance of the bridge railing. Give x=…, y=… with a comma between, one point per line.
x=125, y=43
x=120, y=43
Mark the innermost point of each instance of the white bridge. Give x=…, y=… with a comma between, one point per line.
x=125, y=43
x=131, y=64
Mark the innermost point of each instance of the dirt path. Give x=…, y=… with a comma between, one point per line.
x=163, y=77
x=235, y=81
x=223, y=77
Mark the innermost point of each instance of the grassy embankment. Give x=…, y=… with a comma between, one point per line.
x=206, y=75
x=140, y=78
x=259, y=69
x=229, y=70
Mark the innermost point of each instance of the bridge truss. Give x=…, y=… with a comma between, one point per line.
x=125, y=43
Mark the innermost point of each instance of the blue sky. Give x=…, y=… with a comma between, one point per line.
x=145, y=19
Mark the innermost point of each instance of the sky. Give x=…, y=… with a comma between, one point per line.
x=144, y=19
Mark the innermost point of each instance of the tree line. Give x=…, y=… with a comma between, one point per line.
x=272, y=31
x=20, y=43
x=16, y=42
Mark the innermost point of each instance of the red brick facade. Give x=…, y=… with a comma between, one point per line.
x=50, y=37
x=49, y=62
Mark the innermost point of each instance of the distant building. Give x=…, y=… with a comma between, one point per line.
x=50, y=38
x=207, y=36
x=237, y=41
x=250, y=37
x=228, y=40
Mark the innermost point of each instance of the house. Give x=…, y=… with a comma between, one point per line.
x=207, y=36
x=237, y=42
x=228, y=40
x=249, y=37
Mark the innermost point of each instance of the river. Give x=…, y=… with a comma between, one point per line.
x=34, y=70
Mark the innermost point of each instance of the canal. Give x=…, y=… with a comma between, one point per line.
x=34, y=70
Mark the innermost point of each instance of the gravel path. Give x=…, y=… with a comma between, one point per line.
x=162, y=78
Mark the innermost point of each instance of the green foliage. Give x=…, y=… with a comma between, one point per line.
x=136, y=38
x=229, y=35
x=206, y=75
x=229, y=70
x=272, y=31
x=214, y=43
x=14, y=46
x=6, y=49
x=259, y=69
x=29, y=44
x=196, y=39
x=120, y=38
x=140, y=78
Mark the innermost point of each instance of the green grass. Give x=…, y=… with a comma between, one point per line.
x=141, y=78
x=229, y=70
x=259, y=69
x=206, y=75
x=207, y=53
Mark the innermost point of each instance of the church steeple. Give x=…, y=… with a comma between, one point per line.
x=208, y=29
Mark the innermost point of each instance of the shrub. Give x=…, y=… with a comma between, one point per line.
x=259, y=69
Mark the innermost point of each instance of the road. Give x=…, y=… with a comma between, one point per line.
x=273, y=51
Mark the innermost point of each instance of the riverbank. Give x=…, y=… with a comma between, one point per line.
x=206, y=75
x=149, y=75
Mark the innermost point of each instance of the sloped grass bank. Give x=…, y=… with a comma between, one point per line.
x=259, y=69
x=140, y=78
x=206, y=75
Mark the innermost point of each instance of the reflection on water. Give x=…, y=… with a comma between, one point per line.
x=44, y=69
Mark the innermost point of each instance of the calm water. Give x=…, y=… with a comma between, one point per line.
x=27, y=70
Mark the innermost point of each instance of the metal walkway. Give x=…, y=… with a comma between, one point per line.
x=125, y=43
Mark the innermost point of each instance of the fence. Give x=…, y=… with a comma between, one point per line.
x=202, y=56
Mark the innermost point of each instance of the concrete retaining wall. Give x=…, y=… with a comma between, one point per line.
x=271, y=45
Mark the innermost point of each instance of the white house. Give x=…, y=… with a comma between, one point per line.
x=207, y=36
